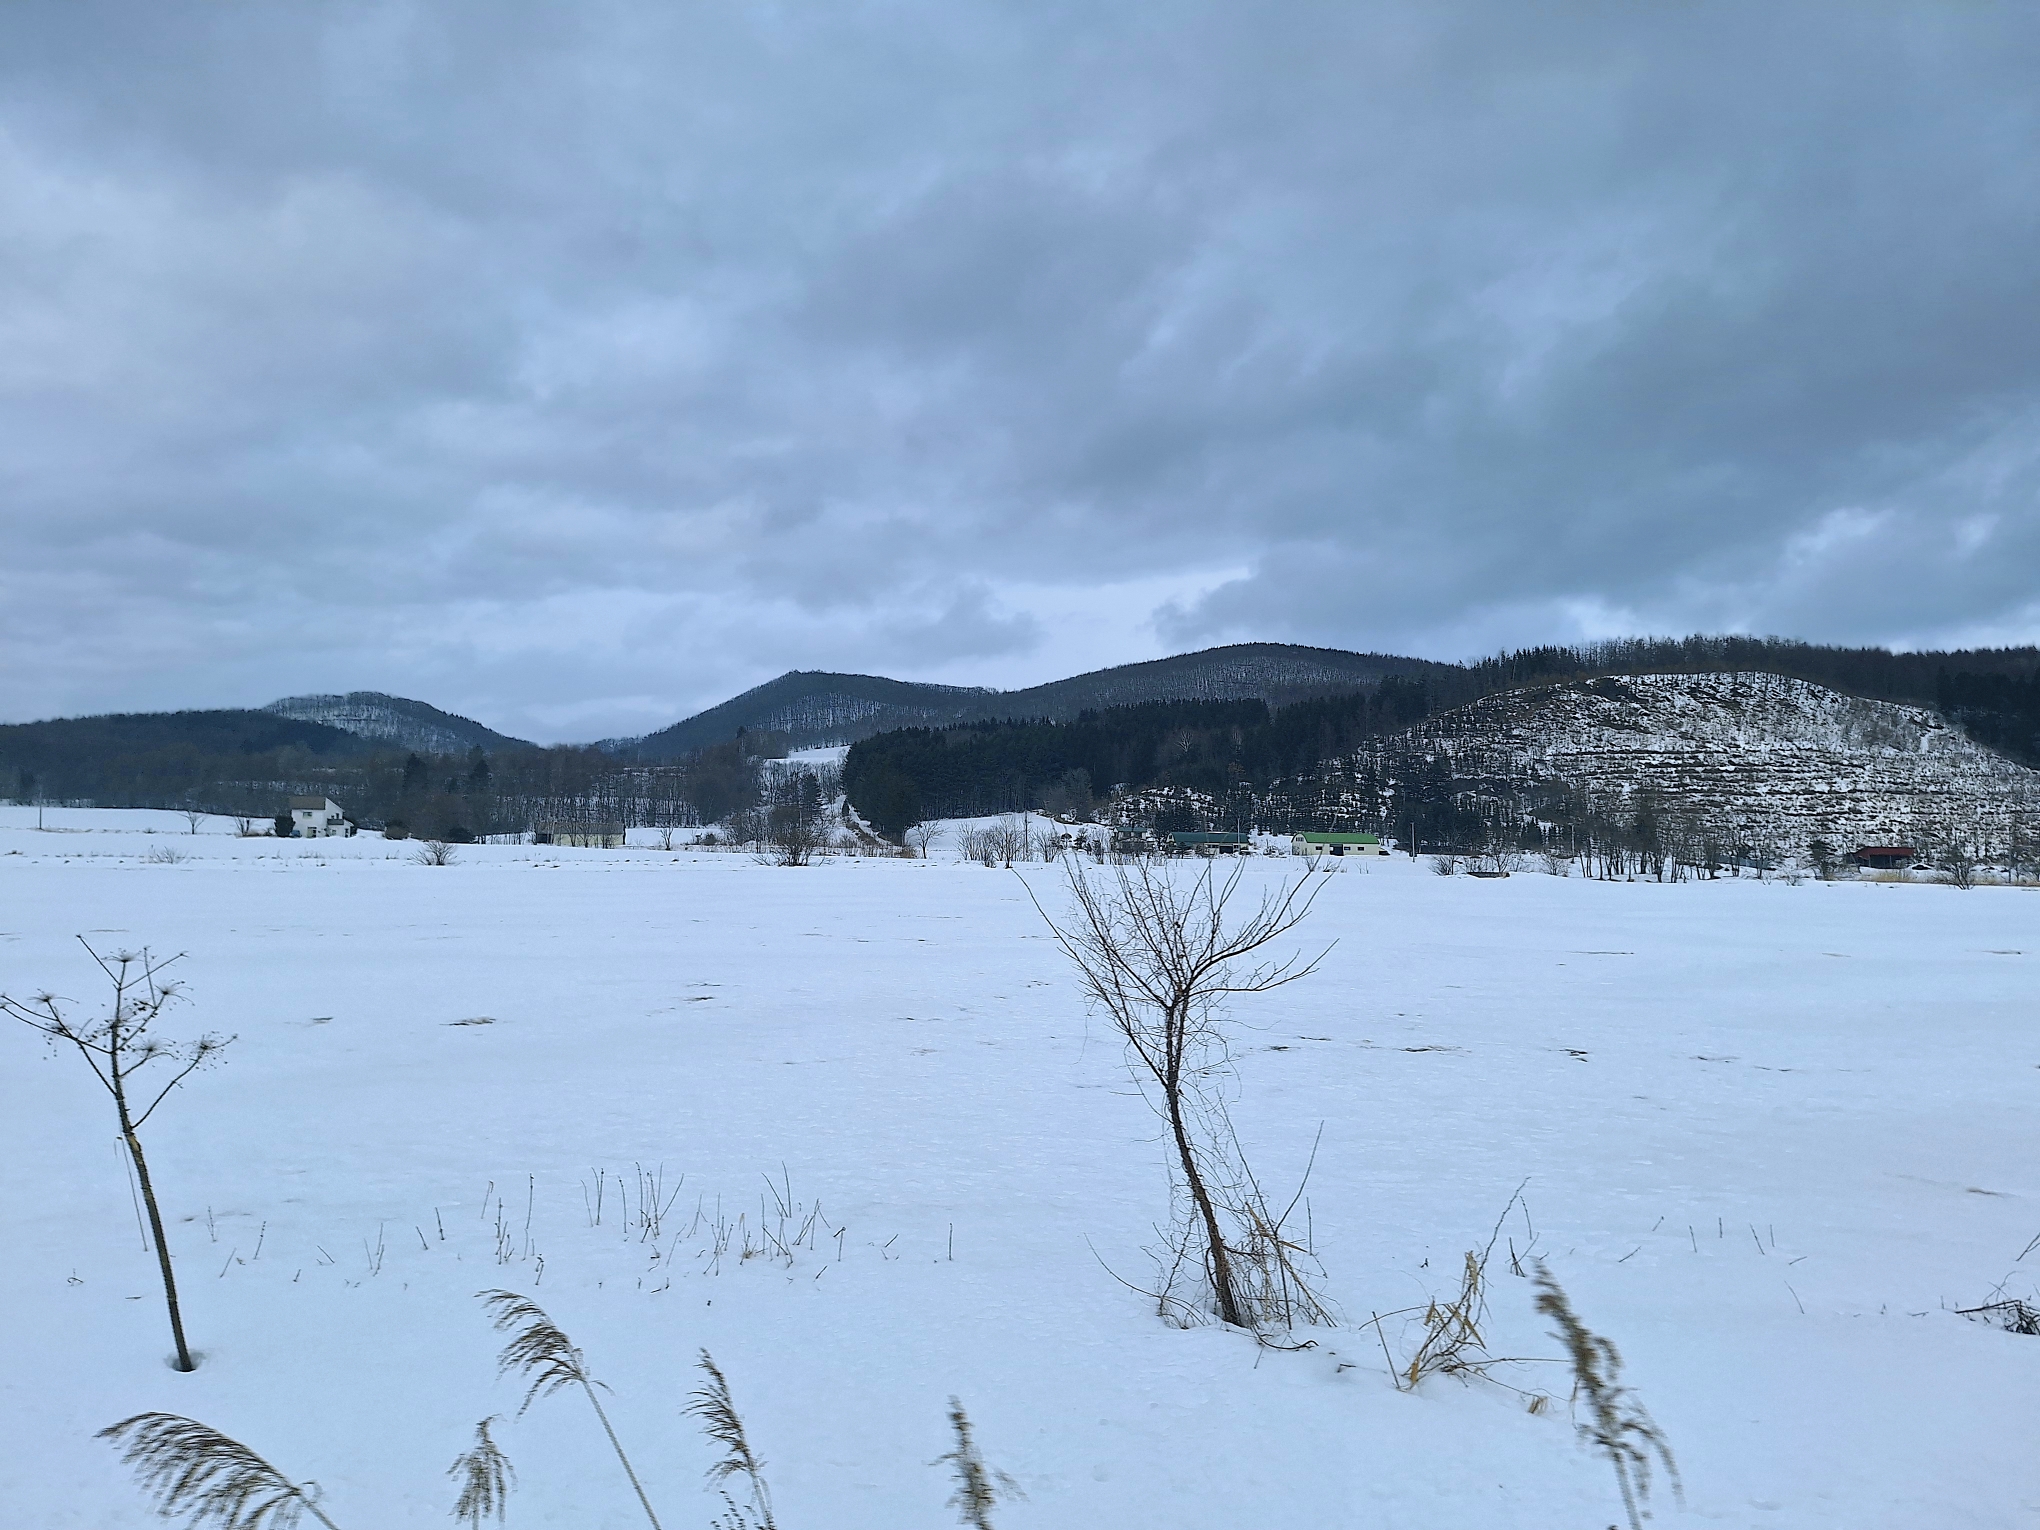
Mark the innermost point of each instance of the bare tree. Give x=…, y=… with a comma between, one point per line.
x=1162, y=957
x=794, y=827
x=1958, y=852
x=118, y=1047
x=194, y=817
x=1006, y=841
x=918, y=838
x=2020, y=845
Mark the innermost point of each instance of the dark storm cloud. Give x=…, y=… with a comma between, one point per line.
x=578, y=366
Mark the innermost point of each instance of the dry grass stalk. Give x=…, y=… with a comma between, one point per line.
x=543, y=1355
x=196, y=1471
x=485, y=1477
x=978, y=1487
x=2011, y=1314
x=713, y=1405
x=1453, y=1344
x=1617, y=1425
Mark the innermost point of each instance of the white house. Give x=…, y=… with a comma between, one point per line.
x=317, y=818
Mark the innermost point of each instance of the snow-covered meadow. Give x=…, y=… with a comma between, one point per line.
x=1772, y=1136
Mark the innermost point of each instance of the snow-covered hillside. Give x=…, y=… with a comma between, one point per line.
x=395, y=720
x=1772, y=1135
x=1754, y=756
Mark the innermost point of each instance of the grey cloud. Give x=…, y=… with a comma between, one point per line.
x=576, y=367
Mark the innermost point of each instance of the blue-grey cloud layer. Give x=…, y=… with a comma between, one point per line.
x=578, y=365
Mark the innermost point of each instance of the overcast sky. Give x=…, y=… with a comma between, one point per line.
x=577, y=366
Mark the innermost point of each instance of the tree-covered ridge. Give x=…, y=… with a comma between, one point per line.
x=1293, y=766
x=1213, y=747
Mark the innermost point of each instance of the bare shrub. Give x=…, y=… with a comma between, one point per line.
x=166, y=855
x=538, y=1352
x=1617, y=1425
x=794, y=825
x=666, y=831
x=1162, y=957
x=244, y=828
x=434, y=852
x=978, y=1488
x=1443, y=865
x=1005, y=841
x=117, y=1047
x=195, y=1470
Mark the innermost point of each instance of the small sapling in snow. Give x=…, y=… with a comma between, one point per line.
x=1616, y=1424
x=1162, y=957
x=119, y=1046
x=541, y=1354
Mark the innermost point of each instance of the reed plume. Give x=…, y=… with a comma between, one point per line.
x=538, y=1352
x=195, y=1470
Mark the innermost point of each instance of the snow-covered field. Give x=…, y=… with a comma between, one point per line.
x=1772, y=1135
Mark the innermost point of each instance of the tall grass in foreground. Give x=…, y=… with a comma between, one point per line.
x=712, y=1404
x=196, y=1471
x=541, y=1354
x=485, y=1477
x=1617, y=1425
x=978, y=1487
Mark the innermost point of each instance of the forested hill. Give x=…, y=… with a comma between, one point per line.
x=809, y=707
x=163, y=758
x=1991, y=691
x=1215, y=747
x=397, y=722
x=1224, y=748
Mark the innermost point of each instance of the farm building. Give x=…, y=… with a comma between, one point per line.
x=602, y=835
x=1885, y=857
x=317, y=818
x=1192, y=842
x=1336, y=844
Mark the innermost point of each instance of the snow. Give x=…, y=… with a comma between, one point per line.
x=1772, y=1135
